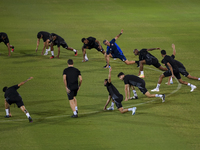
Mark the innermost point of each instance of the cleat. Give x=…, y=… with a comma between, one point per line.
x=51, y=57
x=192, y=88
x=76, y=53
x=133, y=110
x=155, y=90
x=77, y=111
x=13, y=49
x=110, y=108
x=106, y=66
x=134, y=97
x=141, y=76
x=7, y=116
x=74, y=116
x=85, y=60
x=46, y=53
x=163, y=98
x=114, y=58
x=30, y=119
x=170, y=83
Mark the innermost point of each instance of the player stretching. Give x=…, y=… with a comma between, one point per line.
x=12, y=96
x=90, y=43
x=181, y=68
x=115, y=96
x=4, y=38
x=70, y=79
x=146, y=58
x=114, y=51
x=46, y=39
x=172, y=71
x=138, y=82
x=57, y=40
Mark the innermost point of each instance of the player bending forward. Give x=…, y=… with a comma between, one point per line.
x=115, y=95
x=12, y=96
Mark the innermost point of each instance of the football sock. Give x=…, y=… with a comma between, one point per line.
x=130, y=109
x=52, y=53
x=158, y=95
x=86, y=56
x=198, y=78
x=74, y=50
x=142, y=72
x=76, y=107
x=28, y=115
x=134, y=92
x=189, y=84
x=75, y=113
x=112, y=104
x=158, y=86
x=7, y=112
x=171, y=80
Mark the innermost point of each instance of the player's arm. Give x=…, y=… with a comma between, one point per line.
x=22, y=83
x=109, y=75
x=108, y=101
x=38, y=42
x=126, y=91
x=65, y=83
x=8, y=45
x=98, y=44
x=171, y=69
x=174, y=50
x=43, y=48
x=107, y=60
x=84, y=52
x=80, y=80
x=151, y=49
x=119, y=35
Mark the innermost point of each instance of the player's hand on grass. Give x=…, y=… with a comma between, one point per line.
x=158, y=48
x=173, y=46
x=30, y=78
x=122, y=31
x=126, y=99
x=104, y=108
x=57, y=57
x=36, y=49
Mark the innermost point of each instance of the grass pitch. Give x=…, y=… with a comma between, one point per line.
x=170, y=125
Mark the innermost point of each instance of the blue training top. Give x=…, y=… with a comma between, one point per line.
x=114, y=48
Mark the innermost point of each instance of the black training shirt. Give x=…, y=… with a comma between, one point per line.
x=168, y=59
x=133, y=80
x=72, y=77
x=178, y=63
x=58, y=39
x=144, y=54
x=45, y=36
x=113, y=92
x=11, y=93
x=91, y=42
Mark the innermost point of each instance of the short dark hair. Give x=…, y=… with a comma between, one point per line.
x=70, y=62
x=5, y=88
x=39, y=35
x=121, y=73
x=163, y=52
x=104, y=41
x=106, y=80
x=83, y=39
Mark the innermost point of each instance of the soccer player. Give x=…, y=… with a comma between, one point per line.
x=12, y=96
x=181, y=68
x=146, y=58
x=4, y=38
x=70, y=79
x=57, y=40
x=138, y=82
x=114, y=51
x=46, y=39
x=172, y=71
x=115, y=96
x=90, y=43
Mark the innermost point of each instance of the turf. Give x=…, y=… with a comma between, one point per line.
x=146, y=23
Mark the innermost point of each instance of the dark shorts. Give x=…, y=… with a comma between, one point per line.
x=63, y=44
x=96, y=46
x=183, y=72
x=118, y=102
x=168, y=73
x=122, y=57
x=17, y=101
x=72, y=94
x=141, y=87
x=153, y=61
x=6, y=41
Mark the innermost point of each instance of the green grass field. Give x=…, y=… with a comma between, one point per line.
x=173, y=125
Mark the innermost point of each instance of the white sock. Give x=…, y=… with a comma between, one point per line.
x=75, y=113
x=28, y=115
x=189, y=84
x=158, y=86
x=130, y=109
x=134, y=92
x=141, y=72
x=47, y=50
x=198, y=78
x=52, y=53
x=7, y=112
x=74, y=50
x=86, y=56
x=76, y=107
x=171, y=80
x=158, y=95
x=112, y=104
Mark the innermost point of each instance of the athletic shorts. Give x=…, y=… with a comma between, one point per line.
x=118, y=103
x=168, y=73
x=141, y=87
x=72, y=94
x=63, y=44
x=17, y=101
x=122, y=57
x=183, y=72
x=153, y=61
x=6, y=41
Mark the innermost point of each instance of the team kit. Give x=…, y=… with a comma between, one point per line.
x=72, y=76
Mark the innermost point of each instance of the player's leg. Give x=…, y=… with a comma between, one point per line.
x=76, y=106
x=7, y=109
x=134, y=92
x=48, y=47
x=160, y=81
x=129, y=62
x=162, y=96
x=192, y=77
x=141, y=72
x=64, y=45
x=162, y=68
x=52, y=50
x=188, y=84
x=26, y=112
